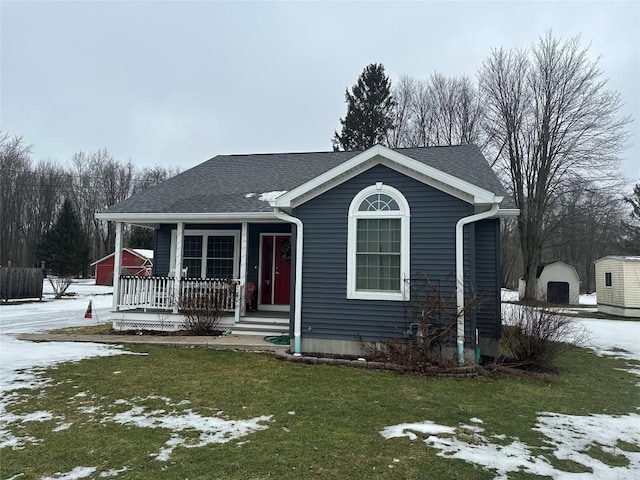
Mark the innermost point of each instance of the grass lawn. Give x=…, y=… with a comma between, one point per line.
x=325, y=421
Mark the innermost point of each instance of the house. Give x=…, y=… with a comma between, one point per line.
x=334, y=242
x=134, y=261
x=618, y=285
x=556, y=282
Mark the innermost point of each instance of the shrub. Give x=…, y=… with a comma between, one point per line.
x=433, y=319
x=532, y=337
x=202, y=312
x=59, y=285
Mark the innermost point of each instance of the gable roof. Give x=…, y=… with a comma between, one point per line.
x=142, y=253
x=379, y=155
x=244, y=184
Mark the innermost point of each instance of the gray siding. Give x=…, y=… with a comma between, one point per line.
x=326, y=312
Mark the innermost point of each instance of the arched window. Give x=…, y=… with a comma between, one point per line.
x=378, y=245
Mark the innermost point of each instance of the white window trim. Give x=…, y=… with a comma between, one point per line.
x=208, y=233
x=405, y=241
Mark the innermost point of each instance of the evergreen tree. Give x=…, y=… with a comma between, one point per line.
x=141, y=237
x=64, y=248
x=631, y=228
x=369, y=111
x=634, y=201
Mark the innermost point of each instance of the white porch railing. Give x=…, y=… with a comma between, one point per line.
x=159, y=293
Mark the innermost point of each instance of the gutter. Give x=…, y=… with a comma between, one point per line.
x=297, y=312
x=460, y=272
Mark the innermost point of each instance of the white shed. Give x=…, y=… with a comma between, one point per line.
x=618, y=285
x=556, y=282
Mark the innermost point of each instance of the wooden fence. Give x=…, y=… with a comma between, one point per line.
x=16, y=282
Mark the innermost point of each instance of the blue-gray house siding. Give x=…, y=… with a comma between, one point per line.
x=326, y=311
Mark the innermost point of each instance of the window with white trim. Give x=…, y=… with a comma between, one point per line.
x=208, y=253
x=378, y=244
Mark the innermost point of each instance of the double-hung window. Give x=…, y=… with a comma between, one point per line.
x=208, y=253
x=378, y=245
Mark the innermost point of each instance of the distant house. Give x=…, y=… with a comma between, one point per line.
x=325, y=246
x=556, y=282
x=618, y=285
x=135, y=261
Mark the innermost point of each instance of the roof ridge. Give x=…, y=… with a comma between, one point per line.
x=264, y=154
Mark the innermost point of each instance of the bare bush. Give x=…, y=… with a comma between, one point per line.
x=202, y=312
x=533, y=338
x=59, y=285
x=434, y=318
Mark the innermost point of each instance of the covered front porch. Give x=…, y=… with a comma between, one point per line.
x=245, y=268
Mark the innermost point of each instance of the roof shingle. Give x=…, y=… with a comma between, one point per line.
x=222, y=184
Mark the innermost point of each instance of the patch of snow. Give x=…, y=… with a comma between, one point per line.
x=269, y=196
x=212, y=429
x=250, y=195
x=476, y=420
x=62, y=426
x=113, y=472
x=588, y=299
x=21, y=363
x=406, y=430
x=39, y=416
x=78, y=472
x=145, y=252
x=568, y=435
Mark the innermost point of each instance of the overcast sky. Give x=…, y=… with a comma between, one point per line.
x=175, y=83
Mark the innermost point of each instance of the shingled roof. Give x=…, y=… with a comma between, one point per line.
x=242, y=183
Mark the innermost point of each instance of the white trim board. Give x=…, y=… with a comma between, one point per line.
x=379, y=155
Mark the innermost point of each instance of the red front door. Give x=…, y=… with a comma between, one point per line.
x=276, y=270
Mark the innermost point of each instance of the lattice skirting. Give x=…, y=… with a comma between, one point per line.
x=148, y=325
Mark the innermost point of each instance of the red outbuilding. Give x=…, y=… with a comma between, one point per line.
x=135, y=261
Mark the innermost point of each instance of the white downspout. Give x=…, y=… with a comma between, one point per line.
x=460, y=272
x=297, y=313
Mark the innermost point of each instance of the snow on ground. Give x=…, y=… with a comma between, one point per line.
x=567, y=437
x=22, y=363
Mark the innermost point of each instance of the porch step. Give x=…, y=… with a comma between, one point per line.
x=261, y=326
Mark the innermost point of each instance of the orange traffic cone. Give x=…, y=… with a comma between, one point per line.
x=87, y=314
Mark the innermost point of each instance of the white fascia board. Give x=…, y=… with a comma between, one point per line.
x=157, y=218
x=381, y=155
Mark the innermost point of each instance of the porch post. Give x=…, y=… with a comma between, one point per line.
x=243, y=271
x=117, y=266
x=178, y=267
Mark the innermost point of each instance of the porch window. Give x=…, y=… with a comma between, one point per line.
x=220, y=256
x=208, y=253
x=378, y=245
x=192, y=255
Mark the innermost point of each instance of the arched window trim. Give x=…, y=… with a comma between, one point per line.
x=403, y=213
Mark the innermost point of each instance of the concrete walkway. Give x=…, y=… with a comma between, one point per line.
x=228, y=342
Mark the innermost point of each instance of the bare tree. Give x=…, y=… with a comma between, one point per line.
x=15, y=164
x=100, y=181
x=551, y=118
x=439, y=111
x=29, y=200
